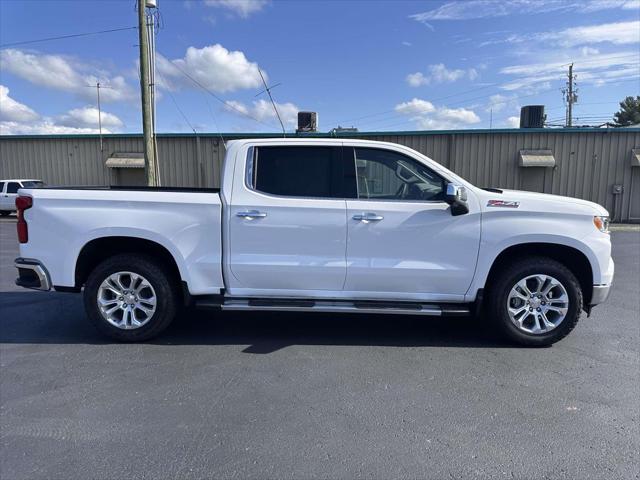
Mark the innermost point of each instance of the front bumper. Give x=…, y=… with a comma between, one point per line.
x=32, y=274
x=601, y=291
x=600, y=294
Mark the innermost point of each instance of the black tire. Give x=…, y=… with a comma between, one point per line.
x=505, y=280
x=161, y=281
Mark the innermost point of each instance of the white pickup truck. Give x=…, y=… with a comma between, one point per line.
x=331, y=225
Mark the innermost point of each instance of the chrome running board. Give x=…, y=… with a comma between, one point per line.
x=337, y=306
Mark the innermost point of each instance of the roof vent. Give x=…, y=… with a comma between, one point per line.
x=307, y=122
x=532, y=116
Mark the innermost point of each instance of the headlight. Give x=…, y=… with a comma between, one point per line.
x=601, y=223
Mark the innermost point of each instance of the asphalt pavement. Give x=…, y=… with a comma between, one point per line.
x=297, y=396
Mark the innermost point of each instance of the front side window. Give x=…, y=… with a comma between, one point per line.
x=13, y=187
x=1, y=187
x=297, y=171
x=387, y=175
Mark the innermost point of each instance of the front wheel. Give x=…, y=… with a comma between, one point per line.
x=535, y=301
x=130, y=298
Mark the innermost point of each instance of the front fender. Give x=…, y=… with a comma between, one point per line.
x=490, y=251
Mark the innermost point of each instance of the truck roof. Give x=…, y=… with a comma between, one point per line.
x=20, y=180
x=308, y=140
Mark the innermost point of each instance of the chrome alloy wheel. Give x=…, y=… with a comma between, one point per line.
x=537, y=304
x=126, y=300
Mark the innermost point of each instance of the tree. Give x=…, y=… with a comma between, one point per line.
x=629, y=113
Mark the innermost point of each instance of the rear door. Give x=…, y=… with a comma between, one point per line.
x=403, y=242
x=287, y=222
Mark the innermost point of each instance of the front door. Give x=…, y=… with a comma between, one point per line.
x=287, y=222
x=403, y=242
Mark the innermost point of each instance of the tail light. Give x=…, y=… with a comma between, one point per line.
x=23, y=203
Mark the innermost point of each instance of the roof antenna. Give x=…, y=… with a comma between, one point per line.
x=268, y=90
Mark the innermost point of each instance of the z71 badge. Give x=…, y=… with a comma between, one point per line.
x=503, y=203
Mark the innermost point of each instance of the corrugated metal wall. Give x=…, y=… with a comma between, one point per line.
x=588, y=162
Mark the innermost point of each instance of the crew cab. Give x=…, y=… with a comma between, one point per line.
x=331, y=225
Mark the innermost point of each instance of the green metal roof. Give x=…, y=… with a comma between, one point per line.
x=231, y=136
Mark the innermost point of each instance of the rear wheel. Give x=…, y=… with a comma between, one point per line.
x=130, y=298
x=536, y=301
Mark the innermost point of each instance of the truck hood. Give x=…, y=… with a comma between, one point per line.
x=544, y=202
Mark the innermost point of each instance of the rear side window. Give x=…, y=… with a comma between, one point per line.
x=33, y=184
x=298, y=171
x=1, y=186
x=12, y=187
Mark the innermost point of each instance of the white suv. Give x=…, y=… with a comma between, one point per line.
x=9, y=192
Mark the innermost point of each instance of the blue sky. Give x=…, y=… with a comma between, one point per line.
x=376, y=65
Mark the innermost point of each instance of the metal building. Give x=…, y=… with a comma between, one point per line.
x=601, y=165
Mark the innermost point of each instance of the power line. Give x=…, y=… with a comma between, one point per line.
x=510, y=99
x=181, y=112
x=62, y=37
x=221, y=100
x=434, y=100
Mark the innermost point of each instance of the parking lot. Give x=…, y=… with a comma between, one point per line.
x=298, y=396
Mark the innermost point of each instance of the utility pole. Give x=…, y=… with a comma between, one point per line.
x=99, y=116
x=571, y=96
x=147, y=114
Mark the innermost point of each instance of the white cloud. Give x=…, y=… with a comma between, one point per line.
x=474, y=9
x=417, y=79
x=242, y=8
x=13, y=111
x=65, y=74
x=597, y=68
x=76, y=121
x=426, y=116
x=588, y=51
x=87, y=117
x=499, y=102
x=46, y=127
x=407, y=44
x=263, y=110
x=513, y=122
x=237, y=107
x=619, y=33
x=439, y=73
x=213, y=66
x=415, y=107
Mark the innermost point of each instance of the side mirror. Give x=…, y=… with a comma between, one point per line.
x=456, y=196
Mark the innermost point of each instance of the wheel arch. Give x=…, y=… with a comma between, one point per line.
x=572, y=258
x=99, y=249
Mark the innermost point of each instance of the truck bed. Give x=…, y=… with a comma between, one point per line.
x=184, y=221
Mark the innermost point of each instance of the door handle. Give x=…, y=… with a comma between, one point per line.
x=249, y=214
x=368, y=217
